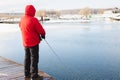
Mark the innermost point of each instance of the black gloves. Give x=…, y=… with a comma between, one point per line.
x=43, y=36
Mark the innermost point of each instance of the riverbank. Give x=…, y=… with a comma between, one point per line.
x=10, y=70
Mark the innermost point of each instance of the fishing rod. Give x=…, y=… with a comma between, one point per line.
x=65, y=66
x=53, y=51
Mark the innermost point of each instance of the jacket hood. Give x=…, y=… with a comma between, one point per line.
x=30, y=10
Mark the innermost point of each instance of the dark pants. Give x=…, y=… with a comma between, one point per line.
x=31, y=61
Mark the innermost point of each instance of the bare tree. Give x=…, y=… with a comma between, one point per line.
x=85, y=12
x=101, y=11
x=41, y=13
x=58, y=13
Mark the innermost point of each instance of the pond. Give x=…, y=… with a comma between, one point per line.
x=80, y=51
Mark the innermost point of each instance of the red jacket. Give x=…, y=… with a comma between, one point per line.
x=30, y=27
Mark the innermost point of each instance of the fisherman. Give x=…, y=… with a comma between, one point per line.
x=32, y=32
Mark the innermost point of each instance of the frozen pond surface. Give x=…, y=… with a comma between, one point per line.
x=89, y=51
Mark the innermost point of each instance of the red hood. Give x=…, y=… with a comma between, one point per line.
x=30, y=10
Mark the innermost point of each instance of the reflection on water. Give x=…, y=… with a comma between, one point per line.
x=89, y=51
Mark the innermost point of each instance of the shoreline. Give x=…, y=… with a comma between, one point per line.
x=12, y=70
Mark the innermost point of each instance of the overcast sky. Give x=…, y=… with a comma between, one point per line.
x=18, y=5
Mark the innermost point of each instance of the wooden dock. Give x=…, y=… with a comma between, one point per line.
x=10, y=70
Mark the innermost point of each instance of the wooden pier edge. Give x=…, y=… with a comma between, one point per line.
x=11, y=70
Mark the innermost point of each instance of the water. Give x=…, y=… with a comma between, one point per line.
x=89, y=51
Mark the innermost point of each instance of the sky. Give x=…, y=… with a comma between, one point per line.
x=19, y=5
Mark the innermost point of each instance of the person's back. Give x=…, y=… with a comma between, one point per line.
x=32, y=32
x=30, y=27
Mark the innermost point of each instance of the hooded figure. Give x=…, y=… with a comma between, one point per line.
x=32, y=32
x=31, y=28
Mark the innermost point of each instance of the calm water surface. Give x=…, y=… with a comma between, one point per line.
x=88, y=51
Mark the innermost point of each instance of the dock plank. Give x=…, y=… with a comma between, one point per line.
x=10, y=70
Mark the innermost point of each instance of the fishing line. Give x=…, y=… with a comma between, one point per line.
x=54, y=52
x=65, y=66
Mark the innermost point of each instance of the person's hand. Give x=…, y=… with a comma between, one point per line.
x=43, y=36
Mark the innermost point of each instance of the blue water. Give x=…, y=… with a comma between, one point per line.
x=86, y=51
